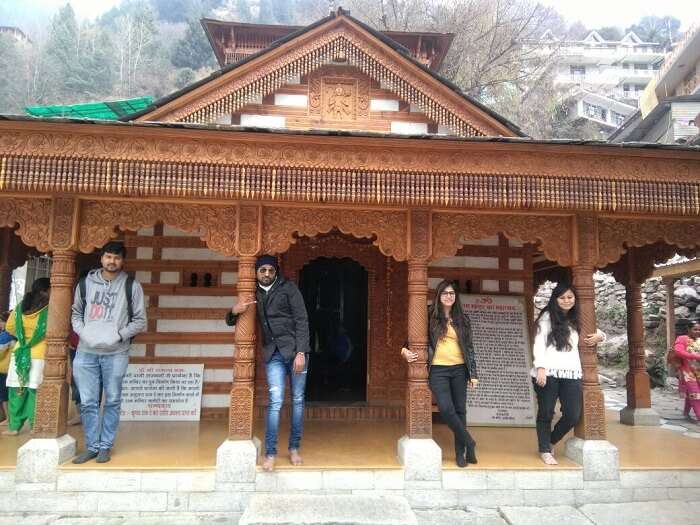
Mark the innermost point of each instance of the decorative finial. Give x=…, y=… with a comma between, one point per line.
x=331, y=6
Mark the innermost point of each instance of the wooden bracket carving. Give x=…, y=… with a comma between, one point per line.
x=552, y=232
x=249, y=229
x=389, y=227
x=32, y=216
x=64, y=224
x=217, y=224
x=617, y=234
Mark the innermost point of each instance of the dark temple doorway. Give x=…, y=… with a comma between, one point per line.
x=335, y=293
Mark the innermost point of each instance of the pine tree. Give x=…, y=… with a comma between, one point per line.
x=266, y=14
x=61, y=53
x=243, y=11
x=193, y=50
x=282, y=11
x=10, y=78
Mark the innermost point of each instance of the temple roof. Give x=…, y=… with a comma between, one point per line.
x=233, y=41
x=452, y=104
x=344, y=133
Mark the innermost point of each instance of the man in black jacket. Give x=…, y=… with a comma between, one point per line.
x=285, y=328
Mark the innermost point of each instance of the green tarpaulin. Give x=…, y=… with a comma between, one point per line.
x=111, y=110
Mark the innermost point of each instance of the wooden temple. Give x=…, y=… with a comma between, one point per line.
x=340, y=149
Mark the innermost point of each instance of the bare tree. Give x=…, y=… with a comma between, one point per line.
x=135, y=41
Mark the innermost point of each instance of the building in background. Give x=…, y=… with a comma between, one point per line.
x=601, y=80
x=16, y=33
x=670, y=104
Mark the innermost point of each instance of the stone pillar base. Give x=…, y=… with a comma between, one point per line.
x=38, y=459
x=639, y=417
x=421, y=459
x=236, y=461
x=600, y=459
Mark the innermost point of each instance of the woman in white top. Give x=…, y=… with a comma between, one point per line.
x=556, y=371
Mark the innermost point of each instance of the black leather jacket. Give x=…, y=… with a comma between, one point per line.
x=466, y=345
x=283, y=319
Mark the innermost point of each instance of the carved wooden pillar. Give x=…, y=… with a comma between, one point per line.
x=638, y=390
x=52, y=395
x=240, y=420
x=5, y=268
x=419, y=409
x=592, y=422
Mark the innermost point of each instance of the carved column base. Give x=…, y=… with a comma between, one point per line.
x=240, y=417
x=421, y=459
x=51, y=409
x=38, y=459
x=592, y=422
x=640, y=417
x=600, y=459
x=638, y=389
x=236, y=461
x=419, y=410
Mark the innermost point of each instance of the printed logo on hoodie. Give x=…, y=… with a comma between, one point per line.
x=102, y=306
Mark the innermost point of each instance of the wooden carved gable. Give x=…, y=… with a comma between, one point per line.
x=334, y=97
x=339, y=94
x=338, y=42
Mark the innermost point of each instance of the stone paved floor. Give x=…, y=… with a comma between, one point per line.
x=665, y=401
x=645, y=513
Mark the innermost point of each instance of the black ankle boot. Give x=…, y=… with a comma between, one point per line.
x=471, y=454
x=459, y=456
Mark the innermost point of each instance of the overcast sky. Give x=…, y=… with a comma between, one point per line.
x=623, y=13
x=593, y=13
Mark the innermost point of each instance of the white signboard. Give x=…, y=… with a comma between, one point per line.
x=505, y=395
x=162, y=392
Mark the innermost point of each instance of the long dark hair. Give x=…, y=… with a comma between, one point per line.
x=562, y=322
x=35, y=300
x=437, y=318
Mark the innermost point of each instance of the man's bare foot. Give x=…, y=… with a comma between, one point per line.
x=73, y=421
x=295, y=457
x=10, y=432
x=4, y=422
x=269, y=464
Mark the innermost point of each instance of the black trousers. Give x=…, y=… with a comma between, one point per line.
x=569, y=393
x=449, y=385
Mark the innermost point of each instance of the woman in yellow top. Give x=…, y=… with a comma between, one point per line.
x=451, y=365
x=26, y=372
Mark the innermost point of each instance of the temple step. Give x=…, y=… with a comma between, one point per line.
x=288, y=509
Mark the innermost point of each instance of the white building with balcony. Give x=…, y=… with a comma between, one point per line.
x=604, y=78
x=669, y=108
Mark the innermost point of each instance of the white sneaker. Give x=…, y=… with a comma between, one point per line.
x=548, y=458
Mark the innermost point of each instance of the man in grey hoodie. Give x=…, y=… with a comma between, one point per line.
x=106, y=317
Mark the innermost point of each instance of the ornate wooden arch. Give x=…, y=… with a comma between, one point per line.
x=332, y=245
x=100, y=219
x=32, y=218
x=617, y=235
x=387, y=227
x=385, y=301
x=552, y=232
x=642, y=264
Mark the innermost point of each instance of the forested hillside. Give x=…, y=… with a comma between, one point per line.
x=154, y=47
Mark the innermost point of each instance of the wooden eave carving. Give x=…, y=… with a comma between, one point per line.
x=338, y=39
x=165, y=163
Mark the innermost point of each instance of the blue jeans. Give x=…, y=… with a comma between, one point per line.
x=90, y=370
x=277, y=370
